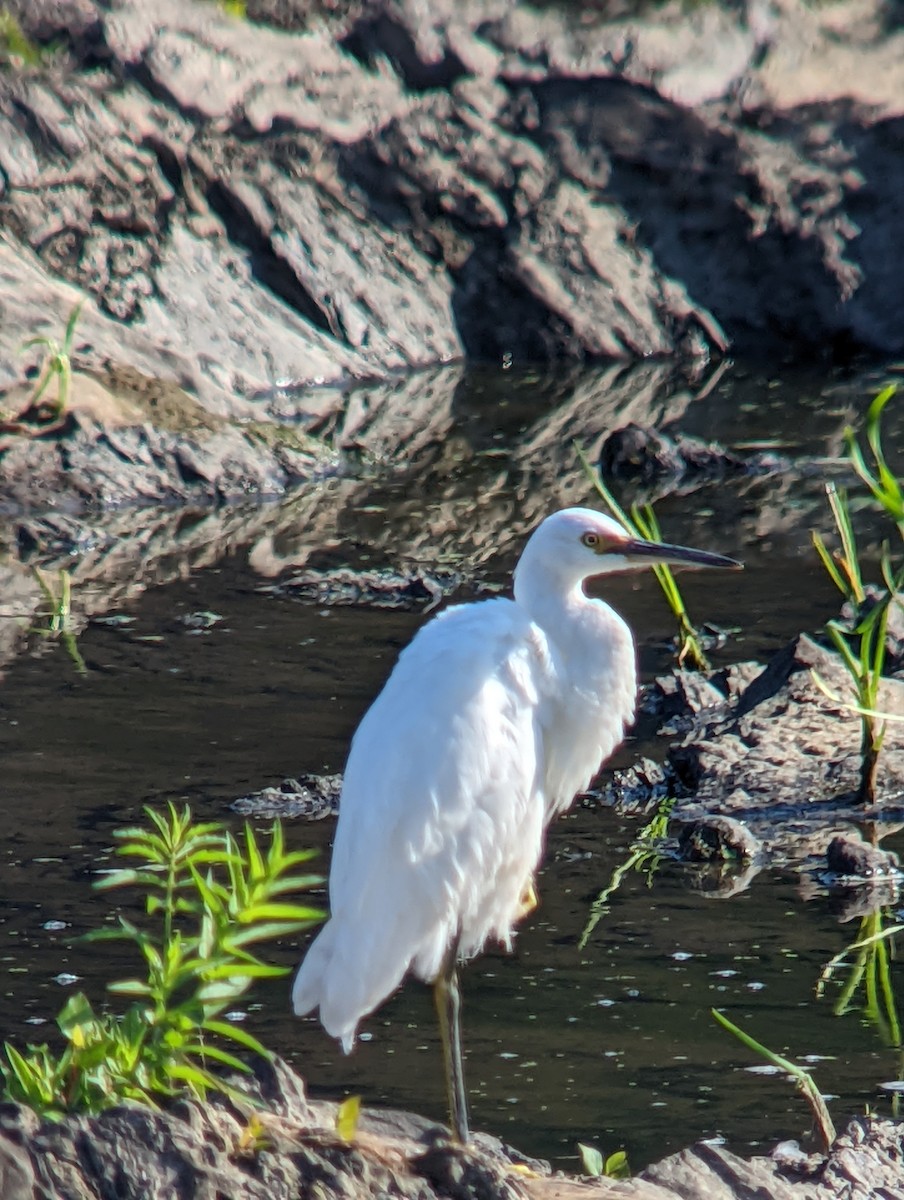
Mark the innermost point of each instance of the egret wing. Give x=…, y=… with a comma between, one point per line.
x=442, y=811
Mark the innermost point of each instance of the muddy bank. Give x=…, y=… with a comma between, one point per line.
x=208, y=1150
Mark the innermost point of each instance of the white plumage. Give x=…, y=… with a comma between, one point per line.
x=494, y=717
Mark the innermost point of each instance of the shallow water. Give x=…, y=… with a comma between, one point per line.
x=613, y=1044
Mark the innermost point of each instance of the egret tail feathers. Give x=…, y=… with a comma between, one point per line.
x=345, y=980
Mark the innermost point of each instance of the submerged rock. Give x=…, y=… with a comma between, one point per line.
x=312, y=797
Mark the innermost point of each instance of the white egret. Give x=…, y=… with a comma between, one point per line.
x=494, y=717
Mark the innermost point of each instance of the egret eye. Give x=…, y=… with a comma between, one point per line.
x=590, y=539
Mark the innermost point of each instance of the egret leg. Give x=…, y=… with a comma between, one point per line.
x=529, y=900
x=447, y=996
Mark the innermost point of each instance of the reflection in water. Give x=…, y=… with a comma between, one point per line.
x=610, y=1043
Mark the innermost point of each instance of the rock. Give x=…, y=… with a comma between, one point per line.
x=318, y=200
x=417, y=589
x=660, y=464
x=776, y=754
x=853, y=857
x=193, y=1151
x=312, y=797
x=718, y=838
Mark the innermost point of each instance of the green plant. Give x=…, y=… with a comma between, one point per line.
x=642, y=523
x=878, y=477
x=644, y=856
x=871, y=972
x=614, y=1166
x=57, y=365
x=862, y=643
x=15, y=45
x=802, y=1079
x=59, y=615
x=209, y=897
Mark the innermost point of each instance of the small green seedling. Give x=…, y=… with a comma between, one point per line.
x=861, y=648
x=57, y=366
x=615, y=1166
x=59, y=615
x=642, y=523
x=347, y=1116
x=801, y=1078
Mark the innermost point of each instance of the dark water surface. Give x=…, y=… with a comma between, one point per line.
x=613, y=1044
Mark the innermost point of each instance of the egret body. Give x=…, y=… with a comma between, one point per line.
x=494, y=717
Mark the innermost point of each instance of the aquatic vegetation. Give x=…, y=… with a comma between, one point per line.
x=802, y=1079
x=870, y=973
x=642, y=522
x=59, y=615
x=644, y=856
x=208, y=897
x=861, y=643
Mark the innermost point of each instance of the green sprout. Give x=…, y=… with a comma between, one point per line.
x=59, y=615
x=871, y=972
x=862, y=648
x=57, y=365
x=209, y=896
x=16, y=46
x=642, y=523
x=614, y=1166
x=879, y=478
x=644, y=856
x=802, y=1079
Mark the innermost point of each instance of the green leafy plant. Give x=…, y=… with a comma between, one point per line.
x=59, y=615
x=802, y=1079
x=641, y=521
x=614, y=1166
x=57, y=366
x=209, y=897
x=644, y=856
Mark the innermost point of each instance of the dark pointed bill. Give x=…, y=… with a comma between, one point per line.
x=662, y=552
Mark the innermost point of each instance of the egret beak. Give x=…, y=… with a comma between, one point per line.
x=662, y=552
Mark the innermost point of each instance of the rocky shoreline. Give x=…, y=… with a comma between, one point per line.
x=287, y=1146
x=257, y=213
x=283, y=230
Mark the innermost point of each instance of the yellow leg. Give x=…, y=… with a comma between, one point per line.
x=447, y=996
x=529, y=900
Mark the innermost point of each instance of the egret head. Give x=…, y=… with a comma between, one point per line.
x=577, y=543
